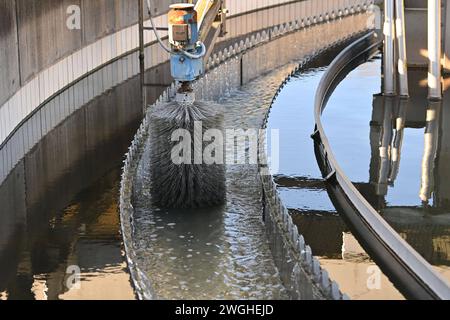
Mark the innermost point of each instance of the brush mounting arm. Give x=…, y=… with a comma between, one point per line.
x=190, y=30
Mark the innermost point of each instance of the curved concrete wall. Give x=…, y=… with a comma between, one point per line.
x=34, y=35
x=44, y=65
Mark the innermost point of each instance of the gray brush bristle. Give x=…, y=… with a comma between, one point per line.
x=184, y=185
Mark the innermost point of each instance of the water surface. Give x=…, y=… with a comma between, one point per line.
x=84, y=235
x=396, y=153
x=303, y=191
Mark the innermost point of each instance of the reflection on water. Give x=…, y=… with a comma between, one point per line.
x=397, y=151
x=47, y=225
x=303, y=191
x=84, y=235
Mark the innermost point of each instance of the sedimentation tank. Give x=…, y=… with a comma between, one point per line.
x=70, y=110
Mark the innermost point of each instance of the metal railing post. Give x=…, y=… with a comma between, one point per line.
x=389, y=53
x=400, y=32
x=434, y=49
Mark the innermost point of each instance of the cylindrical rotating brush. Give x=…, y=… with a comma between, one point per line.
x=181, y=177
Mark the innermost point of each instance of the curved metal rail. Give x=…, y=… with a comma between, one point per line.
x=414, y=276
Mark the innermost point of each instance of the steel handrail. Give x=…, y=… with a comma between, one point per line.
x=410, y=271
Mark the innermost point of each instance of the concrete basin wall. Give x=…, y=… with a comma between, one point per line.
x=416, y=33
x=45, y=79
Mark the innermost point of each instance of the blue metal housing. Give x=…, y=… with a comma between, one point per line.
x=184, y=68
